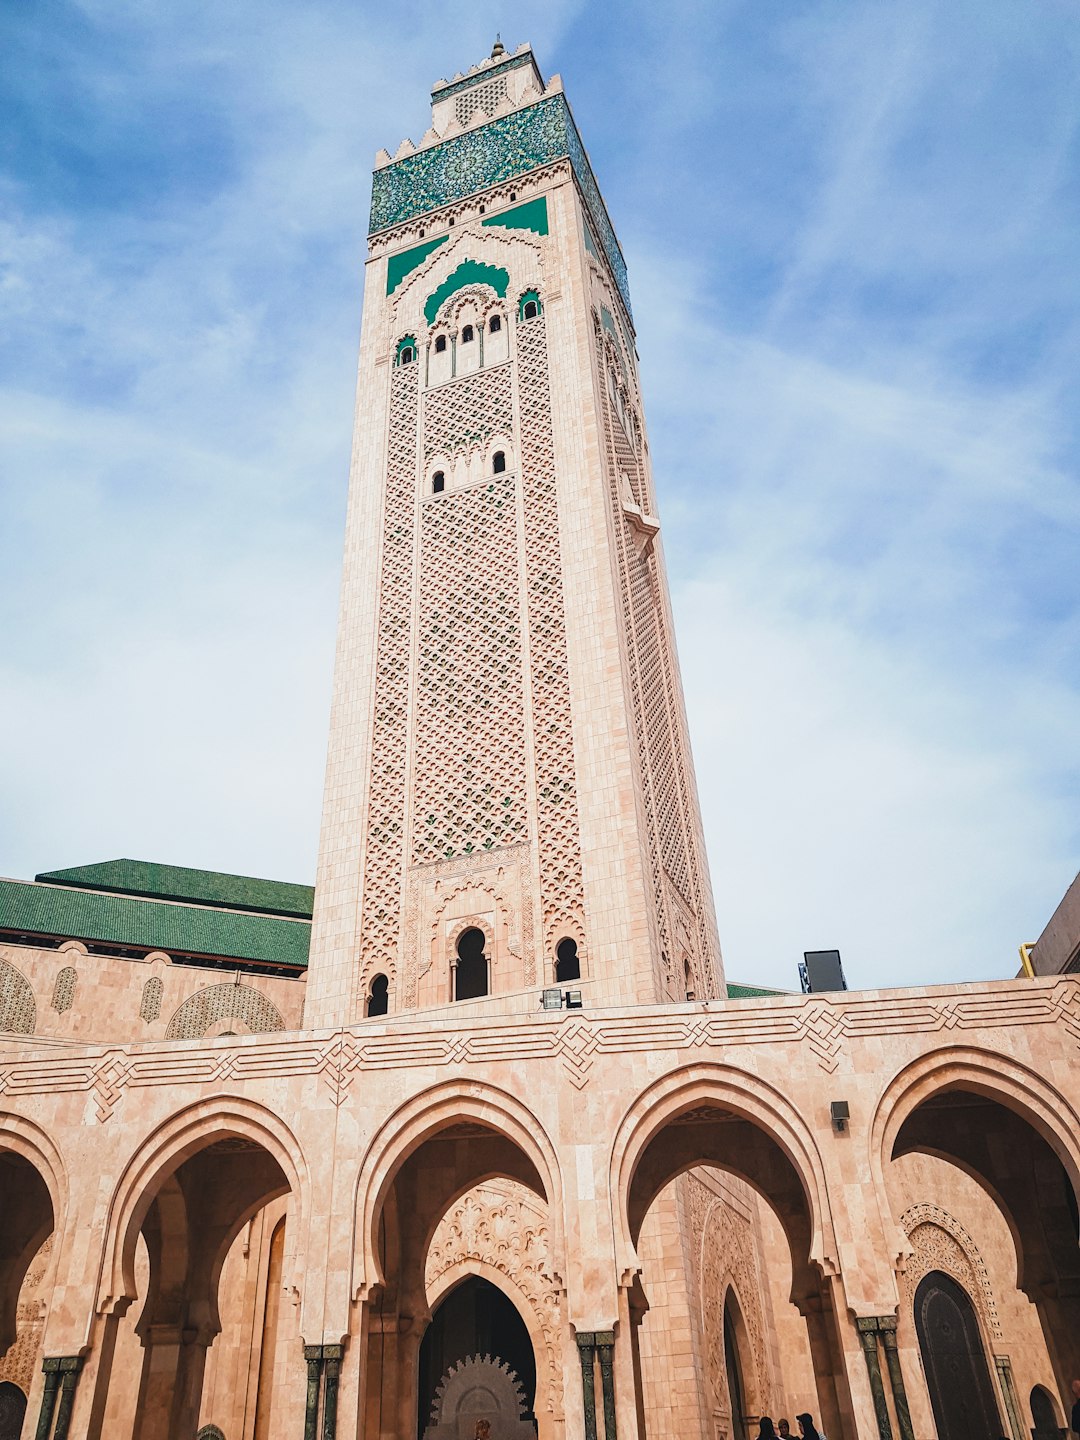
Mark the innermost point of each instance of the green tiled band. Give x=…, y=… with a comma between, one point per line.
x=504, y=148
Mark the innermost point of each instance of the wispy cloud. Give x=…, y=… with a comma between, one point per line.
x=852, y=237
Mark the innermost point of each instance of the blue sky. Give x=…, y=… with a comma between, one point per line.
x=852, y=232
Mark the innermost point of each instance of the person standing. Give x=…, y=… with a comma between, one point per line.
x=783, y=1428
x=807, y=1429
x=765, y=1429
x=1074, y=1423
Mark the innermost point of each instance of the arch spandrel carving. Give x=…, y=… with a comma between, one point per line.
x=939, y=1242
x=501, y=1232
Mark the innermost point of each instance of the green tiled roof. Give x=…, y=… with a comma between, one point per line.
x=751, y=992
x=177, y=882
x=120, y=920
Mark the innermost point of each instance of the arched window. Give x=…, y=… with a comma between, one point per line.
x=406, y=351
x=378, y=1001
x=689, y=980
x=466, y=334
x=495, y=324
x=567, y=961
x=498, y=462
x=440, y=344
x=529, y=306
x=438, y=483
x=1044, y=1413
x=471, y=976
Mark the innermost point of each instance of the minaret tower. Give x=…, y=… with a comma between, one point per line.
x=510, y=798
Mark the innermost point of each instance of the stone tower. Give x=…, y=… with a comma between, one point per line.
x=510, y=798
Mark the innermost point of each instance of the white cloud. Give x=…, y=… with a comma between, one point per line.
x=872, y=540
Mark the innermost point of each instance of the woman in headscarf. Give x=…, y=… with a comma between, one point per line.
x=807, y=1429
x=766, y=1431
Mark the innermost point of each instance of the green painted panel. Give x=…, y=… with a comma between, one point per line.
x=533, y=215
x=469, y=272
x=123, y=921
x=406, y=261
x=178, y=882
x=752, y=992
x=504, y=148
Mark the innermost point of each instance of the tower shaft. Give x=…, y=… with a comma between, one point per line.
x=510, y=799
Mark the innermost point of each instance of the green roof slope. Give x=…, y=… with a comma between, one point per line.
x=119, y=920
x=178, y=882
x=752, y=992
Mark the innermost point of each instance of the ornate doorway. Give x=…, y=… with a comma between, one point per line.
x=957, y=1375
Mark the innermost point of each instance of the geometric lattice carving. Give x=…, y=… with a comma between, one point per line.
x=940, y=1242
x=380, y=926
x=64, y=989
x=466, y=413
x=150, y=1005
x=657, y=708
x=210, y=1432
x=501, y=1225
x=561, y=886
x=483, y=97
x=470, y=710
x=18, y=1012
x=18, y=1364
x=727, y=1258
x=224, y=1002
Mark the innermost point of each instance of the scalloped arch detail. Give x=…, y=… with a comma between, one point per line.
x=469, y=272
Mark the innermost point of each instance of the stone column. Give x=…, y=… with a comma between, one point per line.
x=313, y=1356
x=887, y=1331
x=332, y=1373
x=826, y=1355
x=51, y=1367
x=70, y=1366
x=586, y=1342
x=867, y=1327
x=605, y=1344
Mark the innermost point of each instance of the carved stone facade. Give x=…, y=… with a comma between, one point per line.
x=263, y=1188
x=526, y=715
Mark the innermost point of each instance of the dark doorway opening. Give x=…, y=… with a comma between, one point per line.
x=12, y=1411
x=957, y=1375
x=472, y=967
x=567, y=964
x=476, y=1318
x=736, y=1393
x=379, y=996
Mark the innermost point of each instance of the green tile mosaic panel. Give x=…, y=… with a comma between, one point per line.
x=469, y=272
x=406, y=261
x=533, y=215
x=510, y=146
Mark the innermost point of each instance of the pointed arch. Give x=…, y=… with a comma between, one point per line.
x=184, y=1134
x=422, y=1118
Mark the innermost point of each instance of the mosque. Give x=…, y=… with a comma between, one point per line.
x=475, y=1133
